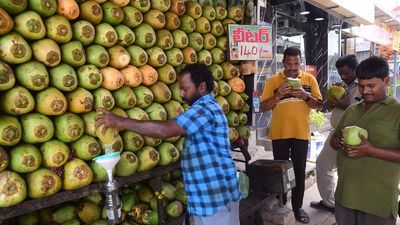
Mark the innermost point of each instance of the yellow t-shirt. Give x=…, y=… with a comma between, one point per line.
x=291, y=115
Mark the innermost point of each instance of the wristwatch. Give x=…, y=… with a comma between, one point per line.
x=308, y=98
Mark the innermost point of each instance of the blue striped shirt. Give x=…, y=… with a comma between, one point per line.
x=208, y=169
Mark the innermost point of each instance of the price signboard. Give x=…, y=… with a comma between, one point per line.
x=249, y=42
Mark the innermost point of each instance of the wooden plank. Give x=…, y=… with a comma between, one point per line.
x=36, y=204
x=254, y=202
x=66, y=196
x=158, y=171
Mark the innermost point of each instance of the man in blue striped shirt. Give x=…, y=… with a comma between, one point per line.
x=208, y=169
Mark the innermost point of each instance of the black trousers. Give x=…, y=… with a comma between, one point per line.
x=296, y=150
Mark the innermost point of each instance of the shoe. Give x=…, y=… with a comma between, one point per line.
x=321, y=205
x=301, y=216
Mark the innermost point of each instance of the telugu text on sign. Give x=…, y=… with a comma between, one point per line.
x=249, y=42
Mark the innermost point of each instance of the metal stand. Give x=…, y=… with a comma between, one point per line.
x=256, y=199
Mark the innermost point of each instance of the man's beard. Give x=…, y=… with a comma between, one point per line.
x=193, y=99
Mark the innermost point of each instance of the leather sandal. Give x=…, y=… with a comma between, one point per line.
x=321, y=205
x=301, y=216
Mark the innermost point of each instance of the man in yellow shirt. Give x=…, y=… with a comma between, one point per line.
x=290, y=122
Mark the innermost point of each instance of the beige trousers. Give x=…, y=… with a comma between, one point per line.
x=326, y=173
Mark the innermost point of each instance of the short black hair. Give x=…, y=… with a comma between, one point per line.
x=199, y=72
x=347, y=60
x=372, y=67
x=291, y=51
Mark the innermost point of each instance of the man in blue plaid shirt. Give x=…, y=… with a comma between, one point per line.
x=208, y=169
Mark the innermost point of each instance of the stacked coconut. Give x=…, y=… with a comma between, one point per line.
x=62, y=60
x=138, y=203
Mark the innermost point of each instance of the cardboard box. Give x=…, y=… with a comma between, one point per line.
x=315, y=146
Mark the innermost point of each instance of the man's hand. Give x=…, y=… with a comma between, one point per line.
x=340, y=84
x=337, y=142
x=107, y=119
x=364, y=149
x=282, y=90
x=342, y=103
x=300, y=93
x=331, y=105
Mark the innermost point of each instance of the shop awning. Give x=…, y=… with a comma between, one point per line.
x=386, y=17
x=372, y=33
x=353, y=12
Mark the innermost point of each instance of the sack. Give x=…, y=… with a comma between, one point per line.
x=244, y=183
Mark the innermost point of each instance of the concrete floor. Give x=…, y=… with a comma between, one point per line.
x=317, y=217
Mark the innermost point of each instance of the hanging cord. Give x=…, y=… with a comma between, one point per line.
x=244, y=6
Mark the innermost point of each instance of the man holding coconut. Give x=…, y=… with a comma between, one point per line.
x=338, y=102
x=208, y=170
x=369, y=172
x=291, y=94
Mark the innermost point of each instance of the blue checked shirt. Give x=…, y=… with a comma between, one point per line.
x=208, y=169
